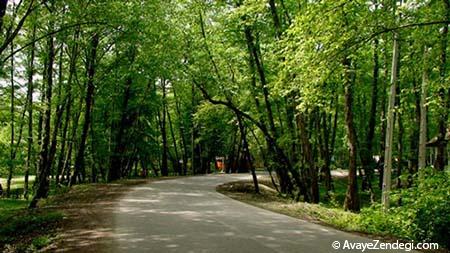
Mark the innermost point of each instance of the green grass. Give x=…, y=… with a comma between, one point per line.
x=17, y=182
x=40, y=242
x=28, y=230
x=11, y=205
x=337, y=197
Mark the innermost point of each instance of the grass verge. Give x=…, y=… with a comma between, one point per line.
x=23, y=230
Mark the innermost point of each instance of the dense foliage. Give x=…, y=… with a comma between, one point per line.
x=103, y=90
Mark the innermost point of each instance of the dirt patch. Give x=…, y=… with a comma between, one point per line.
x=87, y=225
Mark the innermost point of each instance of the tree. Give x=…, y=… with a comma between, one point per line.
x=423, y=113
x=90, y=89
x=390, y=127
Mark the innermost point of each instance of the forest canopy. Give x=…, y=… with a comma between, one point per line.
x=103, y=90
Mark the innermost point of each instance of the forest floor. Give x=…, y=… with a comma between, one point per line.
x=87, y=223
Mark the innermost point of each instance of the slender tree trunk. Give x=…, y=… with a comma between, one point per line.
x=310, y=179
x=352, y=196
x=283, y=175
x=66, y=170
x=11, y=158
x=164, y=165
x=261, y=150
x=116, y=160
x=182, y=133
x=40, y=125
x=367, y=159
x=325, y=151
x=3, y=5
x=423, y=113
x=42, y=178
x=68, y=109
x=401, y=131
x=383, y=117
x=59, y=113
x=253, y=51
x=414, y=141
x=246, y=153
x=390, y=127
x=275, y=18
x=30, y=73
x=91, y=67
x=193, y=131
x=335, y=120
x=177, y=158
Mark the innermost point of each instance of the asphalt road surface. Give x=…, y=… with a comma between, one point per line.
x=188, y=215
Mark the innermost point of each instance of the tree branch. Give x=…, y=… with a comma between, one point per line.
x=47, y=35
x=11, y=37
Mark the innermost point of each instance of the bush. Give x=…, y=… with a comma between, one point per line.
x=431, y=203
x=424, y=213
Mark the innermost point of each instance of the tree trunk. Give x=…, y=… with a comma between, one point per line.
x=30, y=73
x=310, y=174
x=414, y=141
x=325, y=150
x=68, y=109
x=390, y=127
x=116, y=161
x=177, y=158
x=11, y=158
x=164, y=165
x=367, y=159
x=246, y=152
x=275, y=18
x=3, y=5
x=401, y=131
x=59, y=113
x=253, y=51
x=352, y=196
x=42, y=180
x=66, y=170
x=285, y=184
x=423, y=113
x=182, y=133
x=91, y=67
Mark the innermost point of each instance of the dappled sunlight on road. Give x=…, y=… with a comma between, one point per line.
x=188, y=215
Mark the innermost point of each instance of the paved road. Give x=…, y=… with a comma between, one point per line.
x=188, y=215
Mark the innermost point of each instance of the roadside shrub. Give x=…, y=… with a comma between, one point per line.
x=430, y=201
x=424, y=213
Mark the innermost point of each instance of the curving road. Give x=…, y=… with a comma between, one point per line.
x=188, y=215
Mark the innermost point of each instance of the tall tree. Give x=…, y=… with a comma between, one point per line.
x=90, y=89
x=423, y=112
x=390, y=126
x=352, y=196
x=43, y=184
x=30, y=89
